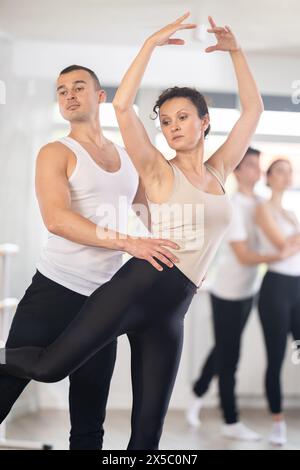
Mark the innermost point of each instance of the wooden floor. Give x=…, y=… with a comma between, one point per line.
x=53, y=426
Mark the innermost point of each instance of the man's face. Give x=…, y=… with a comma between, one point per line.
x=249, y=172
x=77, y=96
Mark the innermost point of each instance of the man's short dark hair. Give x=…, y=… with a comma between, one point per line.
x=250, y=151
x=71, y=68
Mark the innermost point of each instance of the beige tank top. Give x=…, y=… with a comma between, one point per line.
x=195, y=220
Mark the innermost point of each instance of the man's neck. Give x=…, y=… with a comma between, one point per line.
x=246, y=190
x=88, y=132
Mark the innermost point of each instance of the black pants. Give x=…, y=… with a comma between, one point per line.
x=229, y=319
x=46, y=309
x=149, y=306
x=279, y=311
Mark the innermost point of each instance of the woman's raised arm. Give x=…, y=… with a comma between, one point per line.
x=228, y=156
x=146, y=158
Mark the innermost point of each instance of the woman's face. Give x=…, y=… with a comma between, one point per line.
x=281, y=176
x=181, y=125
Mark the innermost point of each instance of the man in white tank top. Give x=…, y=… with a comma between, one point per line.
x=233, y=289
x=85, y=187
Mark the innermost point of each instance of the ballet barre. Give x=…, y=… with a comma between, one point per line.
x=7, y=307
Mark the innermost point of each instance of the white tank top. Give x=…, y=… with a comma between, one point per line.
x=291, y=265
x=195, y=220
x=103, y=198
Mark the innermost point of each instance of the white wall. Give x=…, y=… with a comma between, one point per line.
x=169, y=66
x=24, y=126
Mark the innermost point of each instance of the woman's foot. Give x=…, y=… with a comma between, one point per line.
x=278, y=436
x=193, y=411
x=240, y=432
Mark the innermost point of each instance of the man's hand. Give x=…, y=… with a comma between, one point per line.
x=150, y=248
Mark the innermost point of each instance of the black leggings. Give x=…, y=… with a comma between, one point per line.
x=149, y=306
x=279, y=311
x=229, y=319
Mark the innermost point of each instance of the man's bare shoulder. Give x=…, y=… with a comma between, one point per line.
x=54, y=152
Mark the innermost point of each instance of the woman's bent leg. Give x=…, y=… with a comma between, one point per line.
x=97, y=324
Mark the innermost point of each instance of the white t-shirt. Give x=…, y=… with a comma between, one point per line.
x=289, y=225
x=234, y=280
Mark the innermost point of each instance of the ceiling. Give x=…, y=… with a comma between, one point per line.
x=263, y=26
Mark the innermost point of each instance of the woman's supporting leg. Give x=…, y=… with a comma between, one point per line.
x=156, y=350
x=154, y=364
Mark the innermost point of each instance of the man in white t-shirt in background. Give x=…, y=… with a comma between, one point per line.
x=234, y=287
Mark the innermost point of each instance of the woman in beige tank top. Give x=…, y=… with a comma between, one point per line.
x=147, y=305
x=184, y=120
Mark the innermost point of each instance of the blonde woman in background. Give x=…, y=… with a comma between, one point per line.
x=279, y=300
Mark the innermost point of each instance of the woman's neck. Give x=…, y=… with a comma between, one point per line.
x=191, y=161
x=276, y=199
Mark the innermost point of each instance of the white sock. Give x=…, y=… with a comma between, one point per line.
x=278, y=434
x=192, y=413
